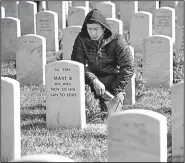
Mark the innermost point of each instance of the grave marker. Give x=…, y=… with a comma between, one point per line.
x=65, y=87
x=77, y=15
x=178, y=122
x=41, y=6
x=164, y=23
x=81, y=3
x=47, y=26
x=179, y=41
x=31, y=59
x=60, y=8
x=129, y=98
x=127, y=8
x=171, y=4
x=180, y=13
x=116, y=25
x=10, y=119
x=158, y=61
x=11, y=8
x=26, y=14
x=92, y=4
x=137, y=135
x=140, y=27
x=69, y=36
x=10, y=31
x=148, y=6
x=107, y=8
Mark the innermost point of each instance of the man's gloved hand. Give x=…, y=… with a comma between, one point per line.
x=99, y=87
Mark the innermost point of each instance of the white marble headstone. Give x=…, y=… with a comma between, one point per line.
x=11, y=9
x=178, y=122
x=69, y=36
x=117, y=5
x=127, y=8
x=158, y=61
x=10, y=31
x=31, y=59
x=65, y=94
x=41, y=6
x=129, y=98
x=148, y=6
x=172, y=4
x=26, y=14
x=180, y=13
x=164, y=22
x=81, y=3
x=140, y=27
x=116, y=25
x=77, y=15
x=137, y=135
x=107, y=8
x=179, y=41
x=60, y=8
x=47, y=26
x=10, y=119
x=92, y=4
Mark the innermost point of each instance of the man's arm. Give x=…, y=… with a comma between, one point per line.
x=78, y=54
x=125, y=61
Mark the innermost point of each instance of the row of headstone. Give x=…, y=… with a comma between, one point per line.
x=108, y=8
x=138, y=131
x=11, y=29
x=65, y=86
x=78, y=13
x=127, y=8
x=70, y=34
x=12, y=7
x=141, y=26
x=29, y=51
x=157, y=53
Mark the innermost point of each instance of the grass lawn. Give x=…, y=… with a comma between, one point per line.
x=89, y=144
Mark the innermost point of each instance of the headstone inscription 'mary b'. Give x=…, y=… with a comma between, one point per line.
x=65, y=94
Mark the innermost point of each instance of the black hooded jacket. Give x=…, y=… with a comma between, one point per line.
x=111, y=61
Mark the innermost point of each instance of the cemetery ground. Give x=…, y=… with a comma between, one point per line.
x=89, y=144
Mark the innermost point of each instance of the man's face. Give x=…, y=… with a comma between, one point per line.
x=95, y=31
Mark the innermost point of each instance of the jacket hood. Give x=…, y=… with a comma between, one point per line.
x=97, y=16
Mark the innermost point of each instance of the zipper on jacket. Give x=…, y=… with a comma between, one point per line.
x=97, y=59
x=98, y=48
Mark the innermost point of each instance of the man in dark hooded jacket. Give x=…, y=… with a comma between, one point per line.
x=107, y=60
